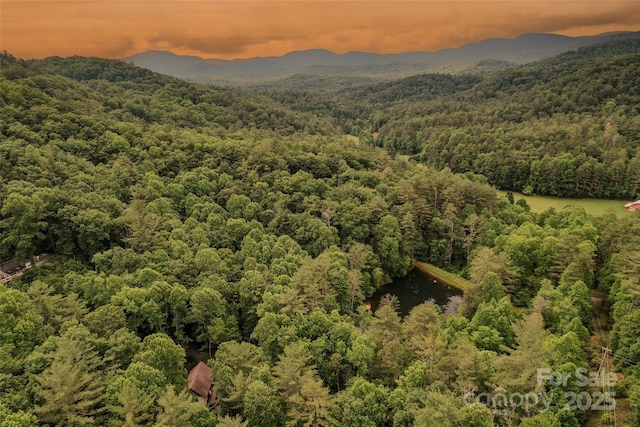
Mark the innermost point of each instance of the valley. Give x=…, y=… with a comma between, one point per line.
x=246, y=227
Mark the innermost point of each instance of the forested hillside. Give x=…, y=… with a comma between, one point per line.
x=235, y=228
x=568, y=126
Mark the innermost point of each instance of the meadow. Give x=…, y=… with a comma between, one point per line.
x=595, y=207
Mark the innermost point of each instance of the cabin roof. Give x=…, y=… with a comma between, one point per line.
x=200, y=380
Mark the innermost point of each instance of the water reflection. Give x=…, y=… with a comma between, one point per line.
x=416, y=288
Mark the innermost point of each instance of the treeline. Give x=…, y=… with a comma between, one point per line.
x=254, y=247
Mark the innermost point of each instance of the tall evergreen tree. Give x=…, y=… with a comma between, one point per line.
x=71, y=388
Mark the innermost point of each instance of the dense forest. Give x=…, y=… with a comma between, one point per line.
x=567, y=126
x=244, y=229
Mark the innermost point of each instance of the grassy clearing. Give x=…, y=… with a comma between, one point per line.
x=444, y=276
x=595, y=207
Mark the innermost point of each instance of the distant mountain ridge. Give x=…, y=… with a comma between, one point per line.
x=519, y=50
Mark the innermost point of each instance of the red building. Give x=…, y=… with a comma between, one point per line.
x=632, y=206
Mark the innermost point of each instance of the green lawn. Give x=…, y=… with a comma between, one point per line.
x=594, y=207
x=444, y=276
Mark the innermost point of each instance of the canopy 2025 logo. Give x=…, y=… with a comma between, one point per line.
x=602, y=399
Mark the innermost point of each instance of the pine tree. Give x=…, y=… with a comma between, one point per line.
x=135, y=405
x=310, y=406
x=71, y=388
x=176, y=408
x=306, y=397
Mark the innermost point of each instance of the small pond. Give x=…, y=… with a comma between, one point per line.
x=416, y=288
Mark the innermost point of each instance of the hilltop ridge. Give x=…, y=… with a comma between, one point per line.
x=515, y=51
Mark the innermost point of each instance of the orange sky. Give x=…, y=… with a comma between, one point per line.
x=242, y=29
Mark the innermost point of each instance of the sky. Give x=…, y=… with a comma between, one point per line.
x=230, y=29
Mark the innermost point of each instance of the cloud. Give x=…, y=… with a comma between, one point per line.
x=240, y=29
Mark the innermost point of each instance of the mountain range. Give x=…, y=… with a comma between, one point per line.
x=484, y=55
